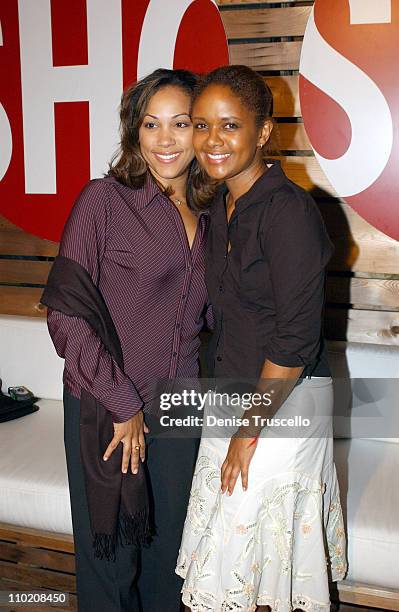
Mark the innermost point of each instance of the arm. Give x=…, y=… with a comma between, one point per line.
x=86, y=359
x=298, y=249
x=91, y=366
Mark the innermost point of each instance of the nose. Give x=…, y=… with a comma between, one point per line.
x=214, y=138
x=166, y=137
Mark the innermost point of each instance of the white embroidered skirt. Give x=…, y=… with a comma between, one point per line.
x=277, y=543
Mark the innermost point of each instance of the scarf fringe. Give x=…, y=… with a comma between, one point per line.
x=132, y=530
x=104, y=546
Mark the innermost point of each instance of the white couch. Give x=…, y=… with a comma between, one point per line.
x=366, y=452
x=33, y=479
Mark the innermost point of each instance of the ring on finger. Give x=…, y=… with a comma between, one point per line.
x=137, y=447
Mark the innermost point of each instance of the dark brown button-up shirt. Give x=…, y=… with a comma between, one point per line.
x=267, y=292
x=134, y=245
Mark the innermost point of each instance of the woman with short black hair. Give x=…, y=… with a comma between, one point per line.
x=264, y=512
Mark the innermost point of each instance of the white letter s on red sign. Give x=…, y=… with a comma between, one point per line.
x=360, y=98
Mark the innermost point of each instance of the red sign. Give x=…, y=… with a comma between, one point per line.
x=349, y=88
x=63, y=65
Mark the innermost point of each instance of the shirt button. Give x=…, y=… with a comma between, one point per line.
x=221, y=288
x=178, y=326
x=174, y=354
x=190, y=268
x=183, y=297
x=218, y=358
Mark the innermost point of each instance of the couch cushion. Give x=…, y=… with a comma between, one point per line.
x=33, y=475
x=368, y=478
x=27, y=357
x=366, y=390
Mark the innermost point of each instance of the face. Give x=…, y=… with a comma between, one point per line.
x=226, y=138
x=165, y=135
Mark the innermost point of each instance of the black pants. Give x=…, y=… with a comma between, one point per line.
x=106, y=586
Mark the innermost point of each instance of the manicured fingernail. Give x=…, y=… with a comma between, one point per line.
x=135, y=471
x=124, y=470
x=105, y=458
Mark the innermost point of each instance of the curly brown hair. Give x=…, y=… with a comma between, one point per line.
x=128, y=165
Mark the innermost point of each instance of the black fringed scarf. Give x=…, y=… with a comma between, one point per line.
x=118, y=503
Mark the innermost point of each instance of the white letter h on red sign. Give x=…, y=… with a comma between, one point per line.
x=99, y=82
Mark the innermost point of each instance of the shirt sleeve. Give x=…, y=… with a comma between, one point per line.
x=87, y=361
x=298, y=249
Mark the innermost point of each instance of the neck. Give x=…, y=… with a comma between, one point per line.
x=240, y=184
x=177, y=185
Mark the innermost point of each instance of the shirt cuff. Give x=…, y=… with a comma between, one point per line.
x=123, y=401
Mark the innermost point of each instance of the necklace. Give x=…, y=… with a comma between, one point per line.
x=177, y=201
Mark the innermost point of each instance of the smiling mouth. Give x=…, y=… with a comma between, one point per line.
x=217, y=158
x=167, y=158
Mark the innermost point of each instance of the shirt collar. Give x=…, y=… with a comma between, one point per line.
x=151, y=190
x=148, y=192
x=145, y=195
x=271, y=180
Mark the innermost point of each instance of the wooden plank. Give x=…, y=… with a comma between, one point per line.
x=285, y=90
x=35, y=537
x=292, y=137
x=306, y=172
x=267, y=56
x=37, y=578
x=359, y=246
x=370, y=326
x=367, y=595
x=18, y=242
x=18, y=271
x=265, y=23
x=5, y=224
x=21, y=301
x=40, y=557
x=367, y=291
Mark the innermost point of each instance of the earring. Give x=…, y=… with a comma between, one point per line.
x=261, y=146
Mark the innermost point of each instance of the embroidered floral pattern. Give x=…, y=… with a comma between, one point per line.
x=233, y=563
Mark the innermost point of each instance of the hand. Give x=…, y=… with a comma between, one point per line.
x=131, y=434
x=239, y=456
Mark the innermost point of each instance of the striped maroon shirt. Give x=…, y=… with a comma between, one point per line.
x=134, y=245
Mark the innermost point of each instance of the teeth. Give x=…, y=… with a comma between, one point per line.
x=218, y=155
x=167, y=156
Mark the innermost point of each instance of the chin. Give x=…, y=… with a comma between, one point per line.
x=216, y=173
x=169, y=173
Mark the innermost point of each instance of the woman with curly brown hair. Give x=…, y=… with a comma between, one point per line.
x=264, y=512
x=133, y=254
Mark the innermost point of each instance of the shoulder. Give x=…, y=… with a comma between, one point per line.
x=93, y=197
x=291, y=198
x=290, y=204
x=293, y=217
x=99, y=196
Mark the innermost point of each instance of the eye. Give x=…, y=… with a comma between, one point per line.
x=149, y=125
x=183, y=124
x=231, y=126
x=200, y=126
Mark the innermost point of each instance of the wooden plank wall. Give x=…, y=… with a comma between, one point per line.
x=38, y=561
x=363, y=281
